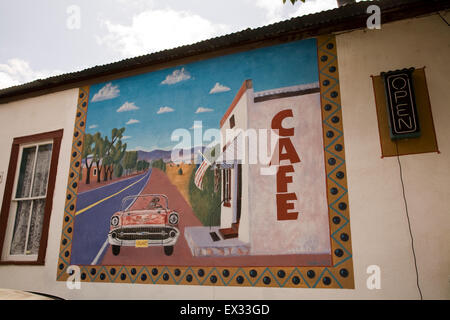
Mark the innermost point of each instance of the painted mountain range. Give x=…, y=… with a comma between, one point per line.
x=166, y=155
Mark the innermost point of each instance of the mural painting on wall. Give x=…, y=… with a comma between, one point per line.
x=218, y=172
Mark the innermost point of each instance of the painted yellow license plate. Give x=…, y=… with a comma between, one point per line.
x=141, y=243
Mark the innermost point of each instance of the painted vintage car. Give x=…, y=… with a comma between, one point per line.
x=143, y=221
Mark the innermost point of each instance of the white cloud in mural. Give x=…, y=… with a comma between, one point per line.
x=153, y=30
x=128, y=106
x=201, y=110
x=165, y=110
x=132, y=121
x=219, y=88
x=126, y=137
x=17, y=71
x=177, y=76
x=93, y=126
x=106, y=93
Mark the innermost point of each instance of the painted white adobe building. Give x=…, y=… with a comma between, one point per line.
x=246, y=221
x=254, y=219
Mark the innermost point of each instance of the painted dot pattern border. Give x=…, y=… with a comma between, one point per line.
x=338, y=275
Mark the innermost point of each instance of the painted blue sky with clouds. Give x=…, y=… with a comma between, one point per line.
x=151, y=106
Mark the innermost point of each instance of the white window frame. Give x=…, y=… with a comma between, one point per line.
x=7, y=256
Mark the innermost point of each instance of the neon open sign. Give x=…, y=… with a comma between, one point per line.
x=402, y=110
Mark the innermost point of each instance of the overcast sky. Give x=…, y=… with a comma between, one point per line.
x=42, y=38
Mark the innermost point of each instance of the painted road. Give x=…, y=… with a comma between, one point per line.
x=154, y=255
x=159, y=183
x=94, y=209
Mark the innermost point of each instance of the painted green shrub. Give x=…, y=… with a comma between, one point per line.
x=160, y=164
x=118, y=170
x=206, y=202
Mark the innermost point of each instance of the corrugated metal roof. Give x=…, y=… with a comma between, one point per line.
x=348, y=17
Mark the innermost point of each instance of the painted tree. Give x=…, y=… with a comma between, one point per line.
x=142, y=165
x=160, y=164
x=126, y=161
x=118, y=170
x=98, y=153
x=115, y=157
x=130, y=161
x=110, y=145
x=87, y=151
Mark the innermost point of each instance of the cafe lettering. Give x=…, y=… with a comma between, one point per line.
x=287, y=152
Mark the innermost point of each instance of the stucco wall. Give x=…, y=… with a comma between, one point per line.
x=380, y=233
x=27, y=117
x=377, y=209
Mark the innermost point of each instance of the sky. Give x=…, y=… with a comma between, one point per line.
x=39, y=39
x=153, y=105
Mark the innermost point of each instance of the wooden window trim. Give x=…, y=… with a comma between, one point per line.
x=56, y=136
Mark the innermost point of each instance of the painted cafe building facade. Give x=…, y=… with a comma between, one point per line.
x=353, y=199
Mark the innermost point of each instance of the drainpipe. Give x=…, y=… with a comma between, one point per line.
x=342, y=3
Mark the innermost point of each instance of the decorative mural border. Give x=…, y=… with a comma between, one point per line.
x=341, y=271
x=65, y=248
x=338, y=275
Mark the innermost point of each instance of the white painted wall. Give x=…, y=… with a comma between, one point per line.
x=240, y=112
x=27, y=117
x=309, y=233
x=379, y=227
x=377, y=210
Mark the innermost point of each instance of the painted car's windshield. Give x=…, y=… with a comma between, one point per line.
x=144, y=202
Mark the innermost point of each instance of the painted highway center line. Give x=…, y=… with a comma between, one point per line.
x=105, y=244
x=108, y=197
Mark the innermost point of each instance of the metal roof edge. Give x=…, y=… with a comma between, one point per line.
x=349, y=17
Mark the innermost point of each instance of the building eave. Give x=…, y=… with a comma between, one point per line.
x=349, y=17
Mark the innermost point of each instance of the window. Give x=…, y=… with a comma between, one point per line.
x=216, y=180
x=94, y=173
x=227, y=187
x=27, y=200
x=232, y=122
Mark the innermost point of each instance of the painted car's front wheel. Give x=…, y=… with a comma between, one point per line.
x=168, y=250
x=115, y=250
